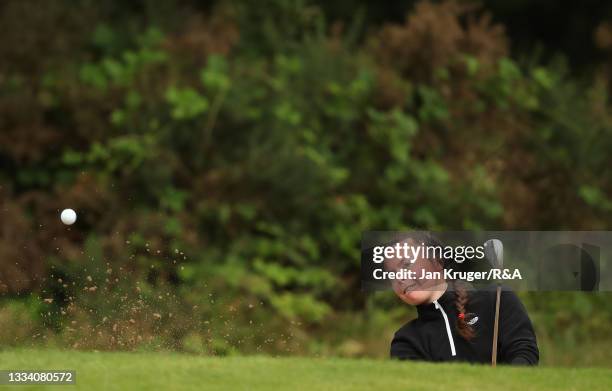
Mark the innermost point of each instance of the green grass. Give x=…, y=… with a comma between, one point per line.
x=168, y=371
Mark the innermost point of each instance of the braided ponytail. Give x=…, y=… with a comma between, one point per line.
x=463, y=328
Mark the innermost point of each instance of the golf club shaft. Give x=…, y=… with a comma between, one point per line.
x=496, y=327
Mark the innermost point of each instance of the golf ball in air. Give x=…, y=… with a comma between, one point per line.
x=68, y=216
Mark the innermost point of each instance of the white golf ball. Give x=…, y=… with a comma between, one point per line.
x=68, y=216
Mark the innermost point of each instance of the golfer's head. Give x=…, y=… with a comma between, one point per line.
x=421, y=288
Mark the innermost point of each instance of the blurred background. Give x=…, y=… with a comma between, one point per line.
x=224, y=158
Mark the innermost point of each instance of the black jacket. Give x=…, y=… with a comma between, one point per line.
x=428, y=337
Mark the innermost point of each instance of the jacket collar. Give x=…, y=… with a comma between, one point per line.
x=429, y=311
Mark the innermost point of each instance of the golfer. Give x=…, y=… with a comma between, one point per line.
x=455, y=322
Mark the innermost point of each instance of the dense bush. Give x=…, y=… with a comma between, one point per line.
x=224, y=167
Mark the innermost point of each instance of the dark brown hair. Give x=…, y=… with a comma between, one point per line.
x=461, y=301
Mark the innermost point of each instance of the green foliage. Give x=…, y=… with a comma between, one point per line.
x=186, y=103
x=121, y=71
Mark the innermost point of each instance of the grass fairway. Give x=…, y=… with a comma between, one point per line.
x=138, y=371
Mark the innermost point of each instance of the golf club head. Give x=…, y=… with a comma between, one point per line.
x=494, y=252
